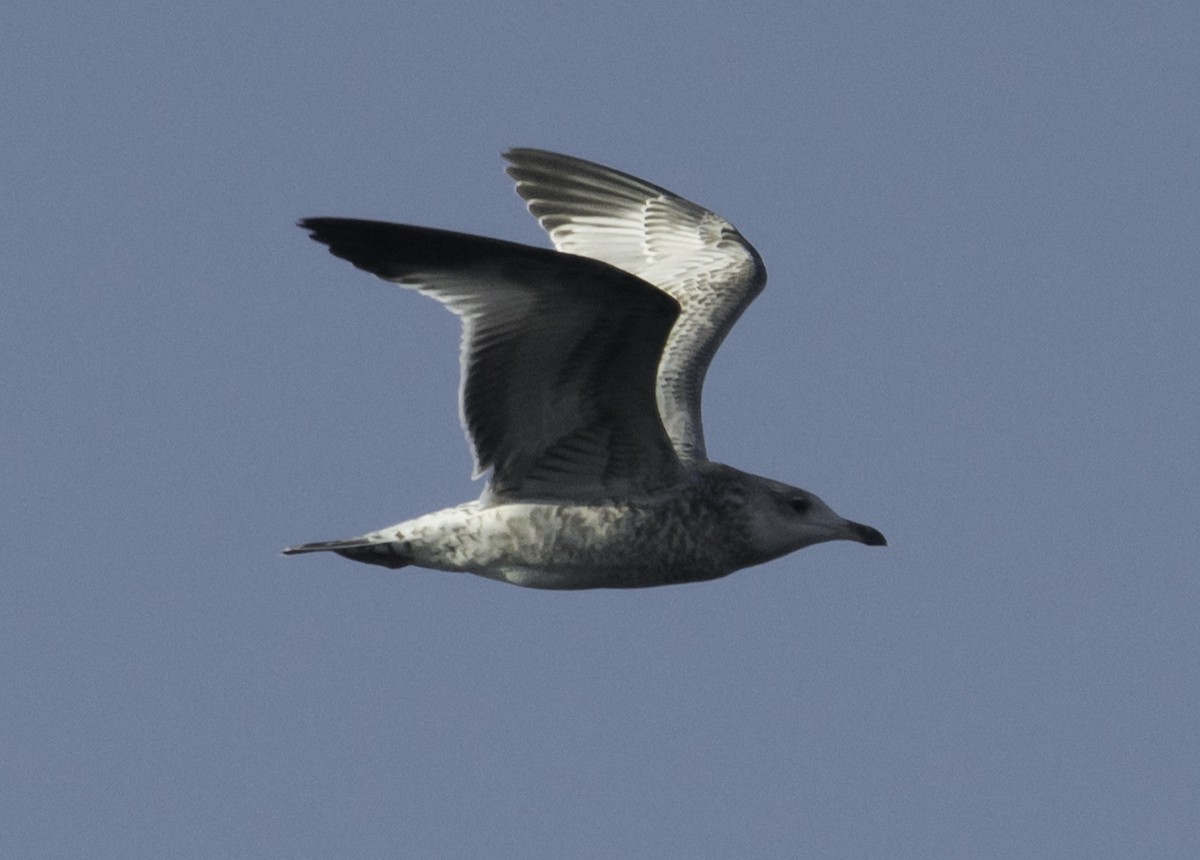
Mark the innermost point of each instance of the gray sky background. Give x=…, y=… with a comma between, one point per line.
x=981, y=224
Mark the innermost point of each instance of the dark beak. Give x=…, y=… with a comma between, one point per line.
x=866, y=534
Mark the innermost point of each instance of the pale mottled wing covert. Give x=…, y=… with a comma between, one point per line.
x=690, y=253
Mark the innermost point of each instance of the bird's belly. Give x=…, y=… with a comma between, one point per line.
x=557, y=546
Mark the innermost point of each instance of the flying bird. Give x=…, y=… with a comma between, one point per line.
x=582, y=370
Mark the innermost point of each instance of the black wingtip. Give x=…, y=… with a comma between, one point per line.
x=316, y=227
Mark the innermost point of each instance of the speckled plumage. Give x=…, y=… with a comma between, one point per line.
x=582, y=374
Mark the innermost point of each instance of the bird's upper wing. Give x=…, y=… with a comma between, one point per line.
x=693, y=255
x=559, y=355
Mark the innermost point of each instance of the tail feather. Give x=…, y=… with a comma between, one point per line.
x=388, y=554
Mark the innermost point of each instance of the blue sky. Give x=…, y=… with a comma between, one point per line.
x=979, y=335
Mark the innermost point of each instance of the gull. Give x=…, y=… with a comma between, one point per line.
x=582, y=370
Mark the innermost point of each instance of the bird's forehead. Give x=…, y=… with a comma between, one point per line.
x=781, y=489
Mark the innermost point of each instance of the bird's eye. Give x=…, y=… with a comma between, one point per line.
x=800, y=505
